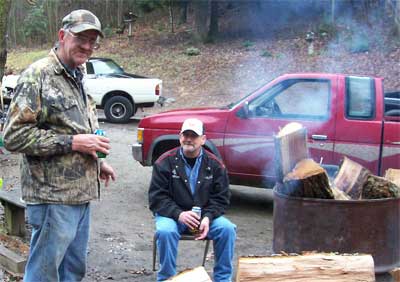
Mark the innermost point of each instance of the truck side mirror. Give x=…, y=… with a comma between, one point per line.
x=244, y=111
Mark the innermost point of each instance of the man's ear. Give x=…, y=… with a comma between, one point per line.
x=203, y=139
x=61, y=35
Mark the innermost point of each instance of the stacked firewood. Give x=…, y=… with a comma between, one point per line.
x=300, y=176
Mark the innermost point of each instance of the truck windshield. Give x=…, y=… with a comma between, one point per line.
x=104, y=67
x=234, y=104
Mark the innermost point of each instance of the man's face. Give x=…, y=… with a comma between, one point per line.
x=76, y=48
x=191, y=143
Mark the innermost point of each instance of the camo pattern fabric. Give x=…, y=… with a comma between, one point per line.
x=46, y=111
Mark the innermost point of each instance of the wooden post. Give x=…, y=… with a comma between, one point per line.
x=14, y=219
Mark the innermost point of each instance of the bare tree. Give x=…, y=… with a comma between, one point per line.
x=4, y=9
x=201, y=13
x=183, y=11
x=213, y=32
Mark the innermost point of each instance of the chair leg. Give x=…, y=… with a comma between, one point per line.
x=206, y=251
x=154, y=252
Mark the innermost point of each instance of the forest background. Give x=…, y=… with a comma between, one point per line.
x=211, y=52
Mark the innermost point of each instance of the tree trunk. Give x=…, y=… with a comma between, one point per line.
x=213, y=32
x=4, y=10
x=201, y=13
x=183, y=11
x=171, y=16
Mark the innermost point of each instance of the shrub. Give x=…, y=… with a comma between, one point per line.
x=192, y=51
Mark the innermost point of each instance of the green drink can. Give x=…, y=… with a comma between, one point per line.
x=100, y=132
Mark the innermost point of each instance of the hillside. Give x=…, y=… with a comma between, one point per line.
x=232, y=67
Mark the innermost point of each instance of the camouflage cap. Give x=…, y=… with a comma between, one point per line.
x=81, y=20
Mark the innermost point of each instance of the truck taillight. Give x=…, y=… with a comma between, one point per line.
x=158, y=89
x=140, y=135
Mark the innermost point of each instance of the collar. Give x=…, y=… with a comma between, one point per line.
x=60, y=67
x=183, y=156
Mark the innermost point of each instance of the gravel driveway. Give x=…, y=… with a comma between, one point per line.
x=123, y=227
x=122, y=231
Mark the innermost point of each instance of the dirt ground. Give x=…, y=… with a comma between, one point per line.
x=122, y=225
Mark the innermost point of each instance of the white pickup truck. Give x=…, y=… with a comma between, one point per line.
x=120, y=94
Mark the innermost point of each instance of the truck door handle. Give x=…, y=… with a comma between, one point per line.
x=319, y=137
x=396, y=143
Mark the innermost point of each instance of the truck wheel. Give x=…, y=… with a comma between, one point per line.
x=118, y=109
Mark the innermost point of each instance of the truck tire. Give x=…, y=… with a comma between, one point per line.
x=118, y=109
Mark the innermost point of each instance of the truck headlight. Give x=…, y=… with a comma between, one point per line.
x=140, y=135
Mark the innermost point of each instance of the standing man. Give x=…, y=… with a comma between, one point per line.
x=190, y=176
x=51, y=122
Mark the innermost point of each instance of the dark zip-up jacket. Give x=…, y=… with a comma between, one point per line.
x=170, y=193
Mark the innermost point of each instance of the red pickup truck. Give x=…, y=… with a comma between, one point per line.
x=344, y=116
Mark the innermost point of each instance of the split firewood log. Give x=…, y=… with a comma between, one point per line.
x=393, y=175
x=395, y=274
x=290, y=148
x=312, y=267
x=198, y=274
x=376, y=187
x=308, y=179
x=351, y=178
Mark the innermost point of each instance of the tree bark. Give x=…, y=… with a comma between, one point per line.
x=201, y=15
x=4, y=10
x=183, y=11
x=213, y=32
x=309, y=180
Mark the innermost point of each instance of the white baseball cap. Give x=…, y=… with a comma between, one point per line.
x=194, y=125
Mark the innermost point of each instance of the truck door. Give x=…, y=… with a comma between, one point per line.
x=359, y=122
x=249, y=139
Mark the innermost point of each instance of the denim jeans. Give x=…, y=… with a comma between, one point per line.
x=58, y=250
x=222, y=232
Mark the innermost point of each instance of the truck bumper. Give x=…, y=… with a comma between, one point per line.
x=137, y=152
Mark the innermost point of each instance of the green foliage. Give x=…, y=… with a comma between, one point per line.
x=108, y=31
x=266, y=53
x=192, y=51
x=248, y=44
x=35, y=24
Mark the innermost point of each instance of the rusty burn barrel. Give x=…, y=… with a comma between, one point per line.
x=363, y=226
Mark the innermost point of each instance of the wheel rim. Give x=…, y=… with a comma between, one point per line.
x=118, y=110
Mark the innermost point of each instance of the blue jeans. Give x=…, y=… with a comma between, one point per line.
x=222, y=232
x=58, y=250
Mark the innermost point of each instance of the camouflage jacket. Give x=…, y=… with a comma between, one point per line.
x=46, y=111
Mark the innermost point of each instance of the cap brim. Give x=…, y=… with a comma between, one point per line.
x=197, y=133
x=83, y=27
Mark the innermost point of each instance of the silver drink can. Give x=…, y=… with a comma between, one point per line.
x=196, y=210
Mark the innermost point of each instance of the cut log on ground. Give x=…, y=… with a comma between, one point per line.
x=198, y=274
x=290, y=148
x=393, y=175
x=313, y=267
x=351, y=178
x=376, y=187
x=395, y=274
x=309, y=180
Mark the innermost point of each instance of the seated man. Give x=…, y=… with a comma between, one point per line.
x=182, y=178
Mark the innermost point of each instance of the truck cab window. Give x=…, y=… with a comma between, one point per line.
x=360, y=97
x=294, y=98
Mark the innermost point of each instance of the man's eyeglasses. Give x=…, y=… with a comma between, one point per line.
x=82, y=40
